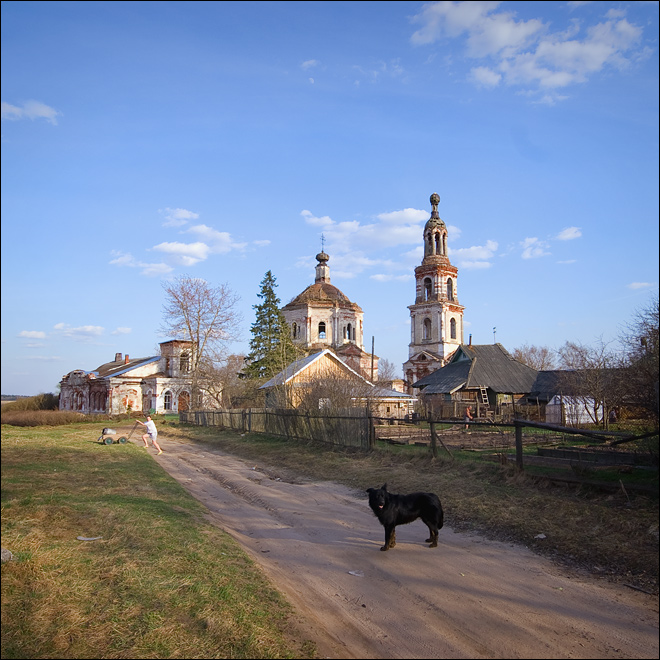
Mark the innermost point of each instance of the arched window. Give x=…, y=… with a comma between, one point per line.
x=452, y=328
x=348, y=332
x=428, y=288
x=450, y=289
x=294, y=330
x=167, y=400
x=184, y=362
x=427, y=328
x=321, y=330
x=438, y=249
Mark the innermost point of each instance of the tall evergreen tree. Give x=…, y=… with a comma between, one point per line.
x=271, y=346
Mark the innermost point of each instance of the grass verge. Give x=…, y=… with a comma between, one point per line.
x=159, y=583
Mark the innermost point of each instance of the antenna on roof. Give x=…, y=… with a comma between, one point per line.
x=322, y=242
x=494, y=333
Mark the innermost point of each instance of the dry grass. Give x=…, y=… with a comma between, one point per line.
x=160, y=583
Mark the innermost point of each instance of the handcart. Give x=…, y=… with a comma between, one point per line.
x=106, y=437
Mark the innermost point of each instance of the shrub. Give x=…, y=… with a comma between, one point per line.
x=41, y=401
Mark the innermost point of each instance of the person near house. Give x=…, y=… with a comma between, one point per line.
x=152, y=433
x=468, y=416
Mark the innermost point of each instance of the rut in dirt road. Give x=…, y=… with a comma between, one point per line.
x=468, y=598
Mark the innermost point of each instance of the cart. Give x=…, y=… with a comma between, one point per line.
x=106, y=437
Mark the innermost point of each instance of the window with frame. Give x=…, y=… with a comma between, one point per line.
x=167, y=400
x=321, y=330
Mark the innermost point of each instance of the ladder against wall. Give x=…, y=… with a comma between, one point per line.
x=484, y=396
x=484, y=404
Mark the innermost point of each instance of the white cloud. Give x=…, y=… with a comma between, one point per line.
x=534, y=248
x=475, y=257
x=32, y=334
x=569, y=234
x=30, y=110
x=311, y=219
x=81, y=333
x=122, y=331
x=309, y=64
x=526, y=52
x=184, y=254
x=148, y=269
x=177, y=217
x=220, y=242
x=485, y=76
x=380, y=277
x=639, y=285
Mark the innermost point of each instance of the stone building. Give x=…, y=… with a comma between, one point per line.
x=160, y=383
x=436, y=317
x=323, y=317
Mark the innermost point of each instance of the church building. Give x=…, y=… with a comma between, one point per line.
x=323, y=317
x=436, y=317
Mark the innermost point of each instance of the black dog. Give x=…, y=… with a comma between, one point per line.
x=392, y=510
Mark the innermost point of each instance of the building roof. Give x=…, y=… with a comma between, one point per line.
x=322, y=292
x=473, y=366
x=299, y=366
x=120, y=367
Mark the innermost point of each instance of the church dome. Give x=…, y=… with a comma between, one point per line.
x=321, y=292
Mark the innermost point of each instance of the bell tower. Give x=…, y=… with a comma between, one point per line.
x=436, y=317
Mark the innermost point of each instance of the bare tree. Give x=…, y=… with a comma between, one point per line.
x=204, y=315
x=387, y=370
x=591, y=376
x=641, y=348
x=540, y=358
x=229, y=387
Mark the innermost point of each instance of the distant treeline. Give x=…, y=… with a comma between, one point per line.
x=12, y=397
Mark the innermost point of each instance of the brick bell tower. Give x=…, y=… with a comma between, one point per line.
x=436, y=318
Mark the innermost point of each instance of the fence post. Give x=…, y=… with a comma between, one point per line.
x=519, y=445
x=434, y=438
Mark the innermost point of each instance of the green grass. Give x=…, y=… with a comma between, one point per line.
x=160, y=583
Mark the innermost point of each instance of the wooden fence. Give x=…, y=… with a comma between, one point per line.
x=353, y=429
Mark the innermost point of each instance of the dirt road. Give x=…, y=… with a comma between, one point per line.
x=468, y=598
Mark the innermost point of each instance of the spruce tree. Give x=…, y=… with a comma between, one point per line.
x=271, y=346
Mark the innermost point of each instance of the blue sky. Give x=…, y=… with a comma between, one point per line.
x=144, y=141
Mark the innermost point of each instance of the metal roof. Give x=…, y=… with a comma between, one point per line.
x=473, y=366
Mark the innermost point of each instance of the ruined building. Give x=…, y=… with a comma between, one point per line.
x=160, y=383
x=323, y=317
x=436, y=317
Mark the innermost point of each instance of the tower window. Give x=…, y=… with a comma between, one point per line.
x=321, y=330
x=427, y=328
x=294, y=330
x=184, y=362
x=450, y=289
x=452, y=328
x=348, y=333
x=428, y=288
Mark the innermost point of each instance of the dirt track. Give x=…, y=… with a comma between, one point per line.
x=468, y=598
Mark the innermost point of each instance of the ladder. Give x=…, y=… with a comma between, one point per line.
x=484, y=396
x=485, y=405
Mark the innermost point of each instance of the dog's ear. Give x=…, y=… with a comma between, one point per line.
x=384, y=487
x=369, y=490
